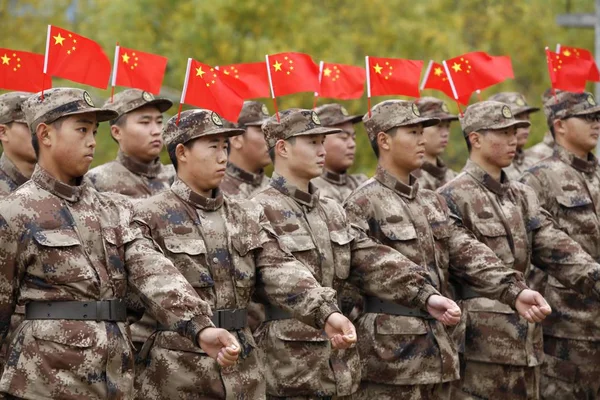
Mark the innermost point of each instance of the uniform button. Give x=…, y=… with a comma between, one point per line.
x=215, y=260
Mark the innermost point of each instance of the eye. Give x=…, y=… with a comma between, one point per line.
x=82, y=130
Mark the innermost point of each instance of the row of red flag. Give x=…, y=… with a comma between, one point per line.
x=223, y=89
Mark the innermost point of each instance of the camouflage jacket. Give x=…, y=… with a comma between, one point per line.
x=432, y=177
x=10, y=177
x=131, y=178
x=71, y=243
x=569, y=188
x=240, y=184
x=337, y=186
x=507, y=217
x=416, y=223
x=315, y=229
x=542, y=150
x=520, y=163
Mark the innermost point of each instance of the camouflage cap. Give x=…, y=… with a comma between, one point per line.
x=10, y=107
x=132, y=99
x=569, y=104
x=61, y=102
x=490, y=115
x=294, y=122
x=254, y=113
x=194, y=124
x=392, y=113
x=335, y=114
x=435, y=108
x=549, y=94
x=516, y=102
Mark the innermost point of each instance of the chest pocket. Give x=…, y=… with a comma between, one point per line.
x=115, y=239
x=244, y=266
x=441, y=235
x=493, y=235
x=402, y=236
x=189, y=257
x=576, y=215
x=340, y=244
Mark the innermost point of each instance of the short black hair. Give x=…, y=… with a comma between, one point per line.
x=292, y=140
x=34, y=139
x=469, y=146
x=171, y=149
x=375, y=145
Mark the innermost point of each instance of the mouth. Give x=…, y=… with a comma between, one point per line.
x=89, y=156
x=320, y=163
x=156, y=143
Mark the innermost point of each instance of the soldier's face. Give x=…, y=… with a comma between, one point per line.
x=141, y=135
x=436, y=138
x=580, y=132
x=340, y=148
x=498, y=147
x=522, y=133
x=306, y=156
x=16, y=141
x=407, y=147
x=203, y=163
x=254, y=146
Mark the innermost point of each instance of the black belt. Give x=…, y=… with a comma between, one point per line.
x=232, y=319
x=466, y=293
x=378, y=306
x=273, y=313
x=106, y=310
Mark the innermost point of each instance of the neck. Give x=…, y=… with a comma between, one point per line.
x=492, y=170
x=194, y=185
x=24, y=167
x=399, y=173
x=52, y=169
x=293, y=179
x=335, y=169
x=583, y=154
x=137, y=159
x=430, y=158
x=240, y=161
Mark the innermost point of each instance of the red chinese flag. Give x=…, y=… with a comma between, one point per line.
x=583, y=54
x=436, y=78
x=139, y=70
x=250, y=80
x=477, y=71
x=21, y=70
x=339, y=81
x=391, y=76
x=293, y=73
x=568, y=73
x=74, y=57
x=204, y=88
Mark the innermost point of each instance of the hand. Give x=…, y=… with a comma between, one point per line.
x=340, y=331
x=220, y=345
x=532, y=306
x=443, y=309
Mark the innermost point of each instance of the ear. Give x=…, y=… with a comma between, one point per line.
x=236, y=142
x=44, y=134
x=116, y=133
x=181, y=154
x=281, y=148
x=3, y=133
x=559, y=127
x=383, y=141
x=475, y=139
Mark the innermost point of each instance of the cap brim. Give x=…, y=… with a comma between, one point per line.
x=102, y=114
x=445, y=117
x=423, y=121
x=592, y=110
x=319, y=131
x=255, y=123
x=228, y=132
x=516, y=124
x=355, y=119
x=163, y=105
x=526, y=110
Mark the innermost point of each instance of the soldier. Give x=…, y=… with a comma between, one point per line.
x=137, y=171
x=393, y=209
x=248, y=154
x=503, y=352
x=70, y=254
x=299, y=361
x=568, y=186
x=545, y=148
x=521, y=111
x=219, y=244
x=434, y=173
x=18, y=158
x=335, y=183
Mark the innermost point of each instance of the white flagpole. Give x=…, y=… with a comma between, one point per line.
x=450, y=80
x=47, y=48
x=427, y=72
x=114, y=77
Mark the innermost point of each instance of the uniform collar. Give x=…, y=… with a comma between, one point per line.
x=486, y=179
x=148, y=170
x=309, y=199
x=549, y=139
x=519, y=157
x=67, y=192
x=587, y=166
x=386, y=179
x=245, y=176
x=438, y=169
x=184, y=192
x=7, y=166
x=335, y=178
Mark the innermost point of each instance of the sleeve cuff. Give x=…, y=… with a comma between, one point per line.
x=197, y=325
x=323, y=312
x=510, y=298
x=426, y=291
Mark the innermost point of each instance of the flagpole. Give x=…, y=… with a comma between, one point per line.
x=184, y=90
x=271, y=86
x=478, y=95
x=445, y=64
x=427, y=72
x=368, y=84
x=46, y=60
x=320, y=78
x=558, y=48
x=114, y=77
x=546, y=50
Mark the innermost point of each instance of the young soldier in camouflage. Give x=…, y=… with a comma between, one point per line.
x=300, y=364
x=502, y=351
x=434, y=173
x=248, y=154
x=224, y=247
x=70, y=254
x=335, y=183
x=393, y=209
x=521, y=111
x=545, y=148
x=568, y=186
x=137, y=171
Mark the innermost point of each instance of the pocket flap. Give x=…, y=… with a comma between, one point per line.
x=341, y=237
x=292, y=330
x=573, y=201
x=182, y=245
x=70, y=333
x=386, y=324
x=399, y=231
x=57, y=238
x=491, y=228
x=440, y=230
x=483, y=304
x=245, y=244
x=295, y=243
x=118, y=236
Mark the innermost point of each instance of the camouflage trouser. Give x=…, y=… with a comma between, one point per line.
x=352, y=397
x=571, y=369
x=379, y=391
x=485, y=381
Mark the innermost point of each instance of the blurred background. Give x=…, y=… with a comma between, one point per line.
x=219, y=32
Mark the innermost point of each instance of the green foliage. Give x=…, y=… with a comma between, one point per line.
x=231, y=31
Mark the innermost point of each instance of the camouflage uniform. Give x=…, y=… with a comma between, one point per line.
x=518, y=105
x=126, y=175
x=416, y=222
x=337, y=186
x=502, y=351
x=10, y=111
x=238, y=183
x=542, y=150
x=219, y=244
x=432, y=176
x=69, y=255
x=299, y=361
x=569, y=188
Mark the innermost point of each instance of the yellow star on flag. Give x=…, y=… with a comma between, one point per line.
x=456, y=67
x=126, y=58
x=438, y=71
x=327, y=72
x=199, y=72
x=5, y=59
x=58, y=39
x=567, y=53
x=377, y=68
x=277, y=65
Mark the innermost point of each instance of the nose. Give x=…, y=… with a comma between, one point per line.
x=156, y=128
x=351, y=143
x=222, y=157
